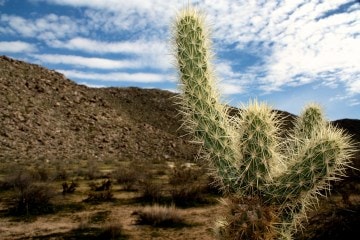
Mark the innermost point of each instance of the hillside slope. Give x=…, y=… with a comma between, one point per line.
x=44, y=115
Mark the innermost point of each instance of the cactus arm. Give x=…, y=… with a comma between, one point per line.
x=203, y=113
x=321, y=159
x=309, y=121
x=259, y=146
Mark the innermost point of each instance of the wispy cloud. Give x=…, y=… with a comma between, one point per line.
x=138, y=77
x=354, y=86
x=153, y=54
x=229, y=88
x=296, y=41
x=92, y=85
x=136, y=15
x=87, y=62
x=299, y=40
x=48, y=27
x=17, y=47
x=103, y=47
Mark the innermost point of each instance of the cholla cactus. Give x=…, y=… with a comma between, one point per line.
x=272, y=182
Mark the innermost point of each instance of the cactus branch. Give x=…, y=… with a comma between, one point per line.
x=204, y=114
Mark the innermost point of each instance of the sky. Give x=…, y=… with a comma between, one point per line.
x=288, y=53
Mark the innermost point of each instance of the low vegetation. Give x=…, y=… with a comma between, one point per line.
x=159, y=216
x=163, y=195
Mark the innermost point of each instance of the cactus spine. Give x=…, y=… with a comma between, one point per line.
x=272, y=181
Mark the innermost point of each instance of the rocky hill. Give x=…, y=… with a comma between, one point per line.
x=44, y=115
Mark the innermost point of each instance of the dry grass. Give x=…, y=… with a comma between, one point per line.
x=159, y=216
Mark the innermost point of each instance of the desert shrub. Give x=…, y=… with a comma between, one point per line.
x=104, y=186
x=102, y=196
x=187, y=185
x=150, y=191
x=188, y=195
x=32, y=199
x=112, y=230
x=43, y=174
x=92, y=171
x=20, y=179
x=159, y=216
x=183, y=174
x=100, y=192
x=69, y=188
x=61, y=173
x=127, y=177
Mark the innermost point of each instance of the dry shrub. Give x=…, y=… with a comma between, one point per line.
x=188, y=195
x=90, y=172
x=127, y=177
x=101, y=196
x=33, y=199
x=69, y=188
x=150, y=191
x=112, y=230
x=159, y=216
x=182, y=174
x=30, y=197
x=61, y=173
x=104, y=186
x=20, y=179
x=187, y=185
x=43, y=174
x=100, y=192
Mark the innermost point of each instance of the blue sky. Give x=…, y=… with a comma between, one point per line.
x=285, y=52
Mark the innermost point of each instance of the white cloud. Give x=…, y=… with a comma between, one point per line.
x=229, y=79
x=102, y=47
x=92, y=85
x=49, y=27
x=88, y=62
x=17, y=47
x=300, y=41
x=140, y=77
x=153, y=54
x=354, y=86
x=229, y=89
x=125, y=14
